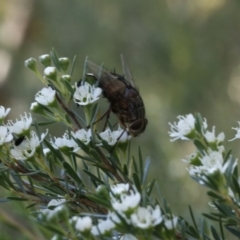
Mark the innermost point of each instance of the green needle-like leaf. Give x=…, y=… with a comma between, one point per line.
x=72, y=173
x=137, y=182
x=215, y=234
x=55, y=59
x=146, y=169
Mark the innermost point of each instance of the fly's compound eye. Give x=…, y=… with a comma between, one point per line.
x=138, y=126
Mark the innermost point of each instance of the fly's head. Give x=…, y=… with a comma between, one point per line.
x=137, y=127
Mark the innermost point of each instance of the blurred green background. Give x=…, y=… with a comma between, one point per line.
x=184, y=56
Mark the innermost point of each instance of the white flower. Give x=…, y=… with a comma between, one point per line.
x=49, y=71
x=46, y=212
x=4, y=112
x=210, y=136
x=108, y=137
x=27, y=148
x=170, y=223
x=120, y=188
x=214, y=159
x=128, y=237
x=221, y=149
x=51, y=213
x=126, y=202
x=46, y=96
x=83, y=223
x=86, y=94
x=46, y=151
x=123, y=133
x=220, y=137
x=59, y=208
x=56, y=202
x=103, y=227
x=20, y=126
x=111, y=137
x=211, y=162
x=145, y=218
x=83, y=135
x=5, y=135
x=237, y=134
x=65, y=142
x=95, y=231
x=182, y=128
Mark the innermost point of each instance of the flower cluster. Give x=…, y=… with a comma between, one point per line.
x=26, y=141
x=85, y=184
x=210, y=165
x=54, y=208
x=126, y=210
x=27, y=148
x=210, y=155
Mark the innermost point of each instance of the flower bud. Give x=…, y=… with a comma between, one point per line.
x=66, y=78
x=51, y=73
x=31, y=64
x=46, y=151
x=45, y=60
x=36, y=108
x=64, y=63
x=102, y=191
x=3, y=112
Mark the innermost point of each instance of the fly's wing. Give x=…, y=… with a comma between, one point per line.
x=112, y=87
x=127, y=72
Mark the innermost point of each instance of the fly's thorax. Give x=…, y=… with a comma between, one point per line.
x=130, y=92
x=113, y=94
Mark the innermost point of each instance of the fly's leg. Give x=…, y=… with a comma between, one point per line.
x=117, y=141
x=106, y=114
x=107, y=117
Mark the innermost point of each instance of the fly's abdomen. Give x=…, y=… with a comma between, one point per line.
x=129, y=109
